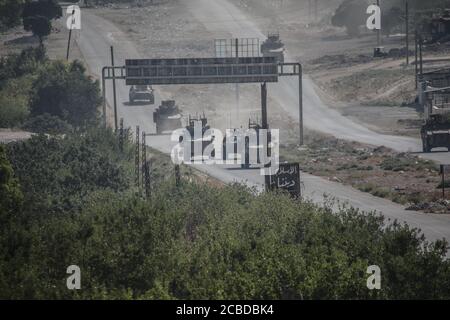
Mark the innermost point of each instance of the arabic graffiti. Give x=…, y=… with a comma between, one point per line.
x=287, y=178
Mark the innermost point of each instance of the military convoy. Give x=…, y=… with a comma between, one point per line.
x=167, y=117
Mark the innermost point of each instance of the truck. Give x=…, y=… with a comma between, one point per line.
x=141, y=93
x=273, y=47
x=167, y=117
x=435, y=132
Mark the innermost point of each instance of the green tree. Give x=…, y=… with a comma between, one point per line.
x=390, y=19
x=39, y=25
x=10, y=13
x=47, y=123
x=65, y=91
x=14, y=102
x=44, y=8
x=351, y=14
x=10, y=193
x=24, y=64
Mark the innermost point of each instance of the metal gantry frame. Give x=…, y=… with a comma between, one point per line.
x=111, y=73
x=284, y=69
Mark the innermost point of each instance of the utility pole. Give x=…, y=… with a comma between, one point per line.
x=144, y=157
x=137, y=157
x=416, y=43
x=407, y=31
x=114, y=89
x=70, y=34
x=316, y=11
x=104, y=96
x=309, y=11
x=378, y=31
x=148, y=187
x=237, y=84
x=265, y=126
x=420, y=55
x=121, y=135
x=177, y=175
x=300, y=101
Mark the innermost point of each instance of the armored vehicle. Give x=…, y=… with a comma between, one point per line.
x=380, y=52
x=142, y=93
x=167, y=117
x=435, y=132
x=273, y=47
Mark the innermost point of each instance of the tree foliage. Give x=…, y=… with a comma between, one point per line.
x=37, y=16
x=192, y=241
x=49, y=9
x=30, y=82
x=65, y=91
x=24, y=64
x=10, y=13
x=351, y=14
x=39, y=25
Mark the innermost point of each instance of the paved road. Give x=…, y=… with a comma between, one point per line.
x=98, y=34
x=221, y=17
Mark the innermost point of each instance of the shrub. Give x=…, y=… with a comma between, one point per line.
x=47, y=123
x=63, y=90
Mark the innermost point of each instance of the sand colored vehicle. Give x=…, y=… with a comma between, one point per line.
x=273, y=47
x=435, y=132
x=167, y=117
x=141, y=93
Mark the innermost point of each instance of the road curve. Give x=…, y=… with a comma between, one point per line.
x=220, y=16
x=94, y=41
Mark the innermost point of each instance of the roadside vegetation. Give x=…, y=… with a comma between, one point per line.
x=400, y=177
x=46, y=96
x=67, y=196
x=75, y=203
x=36, y=16
x=71, y=199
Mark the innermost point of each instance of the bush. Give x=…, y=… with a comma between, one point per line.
x=14, y=102
x=192, y=241
x=39, y=25
x=49, y=9
x=66, y=169
x=24, y=64
x=47, y=123
x=13, y=110
x=10, y=13
x=351, y=15
x=63, y=90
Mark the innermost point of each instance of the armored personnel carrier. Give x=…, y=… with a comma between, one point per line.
x=273, y=47
x=167, y=117
x=141, y=93
x=435, y=132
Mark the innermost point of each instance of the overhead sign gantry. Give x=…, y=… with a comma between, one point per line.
x=200, y=71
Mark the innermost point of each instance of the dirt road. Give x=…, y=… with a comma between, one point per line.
x=94, y=41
